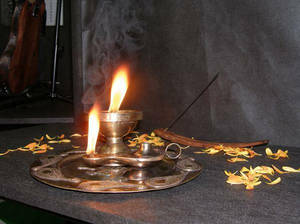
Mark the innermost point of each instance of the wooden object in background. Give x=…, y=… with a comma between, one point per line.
x=200, y=143
x=19, y=61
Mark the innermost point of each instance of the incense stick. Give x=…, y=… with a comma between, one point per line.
x=194, y=101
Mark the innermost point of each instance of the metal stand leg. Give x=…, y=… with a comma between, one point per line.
x=53, y=93
x=54, y=72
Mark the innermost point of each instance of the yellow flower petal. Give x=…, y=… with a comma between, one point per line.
x=49, y=138
x=64, y=141
x=282, y=154
x=31, y=145
x=75, y=135
x=269, y=152
x=53, y=142
x=198, y=152
x=228, y=173
x=44, y=146
x=276, y=181
x=7, y=151
x=235, y=179
x=236, y=159
x=264, y=170
x=290, y=169
x=244, y=169
x=212, y=151
x=40, y=151
x=266, y=177
x=279, y=154
x=39, y=139
x=75, y=146
x=278, y=170
x=250, y=186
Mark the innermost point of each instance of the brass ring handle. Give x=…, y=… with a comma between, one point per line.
x=178, y=151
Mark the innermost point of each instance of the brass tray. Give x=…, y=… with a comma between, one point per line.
x=69, y=171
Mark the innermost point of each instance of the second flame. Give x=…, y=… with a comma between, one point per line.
x=94, y=125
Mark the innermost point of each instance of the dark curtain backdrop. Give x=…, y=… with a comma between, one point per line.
x=255, y=45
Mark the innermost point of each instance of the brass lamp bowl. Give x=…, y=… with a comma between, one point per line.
x=114, y=126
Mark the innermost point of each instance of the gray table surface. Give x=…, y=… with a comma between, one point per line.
x=207, y=199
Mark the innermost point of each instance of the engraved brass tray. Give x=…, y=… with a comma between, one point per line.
x=69, y=171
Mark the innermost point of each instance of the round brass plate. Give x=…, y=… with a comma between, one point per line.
x=69, y=171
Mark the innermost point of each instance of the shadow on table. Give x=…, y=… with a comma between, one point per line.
x=15, y=213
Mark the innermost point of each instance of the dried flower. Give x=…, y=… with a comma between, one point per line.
x=151, y=139
x=235, y=152
x=277, y=155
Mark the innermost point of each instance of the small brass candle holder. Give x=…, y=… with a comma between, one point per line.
x=116, y=125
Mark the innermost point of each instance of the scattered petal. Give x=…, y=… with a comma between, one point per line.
x=75, y=135
x=39, y=139
x=244, y=169
x=151, y=139
x=269, y=152
x=232, y=151
x=278, y=170
x=7, y=151
x=264, y=170
x=279, y=154
x=65, y=141
x=49, y=138
x=75, y=146
x=276, y=181
x=212, y=151
x=235, y=179
x=228, y=173
x=266, y=177
x=53, y=142
x=23, y=149
x=31, y=145
x=44, y=146
x=40, y=151
x=282, y=154
x=236, y=159
x=290, y=169
x=250, y=186
x=251, y=177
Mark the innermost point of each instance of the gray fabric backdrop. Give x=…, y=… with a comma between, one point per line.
x=255, y=45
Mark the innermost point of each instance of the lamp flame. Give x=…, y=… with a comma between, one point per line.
x=94, y=125
x=119, y=88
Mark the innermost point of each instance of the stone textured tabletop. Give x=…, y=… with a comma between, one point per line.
x=207, y=199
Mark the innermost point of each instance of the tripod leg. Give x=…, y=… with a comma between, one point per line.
x=55, y=58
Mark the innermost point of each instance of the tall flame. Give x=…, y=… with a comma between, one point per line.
x=94, y=125
x=118, y=89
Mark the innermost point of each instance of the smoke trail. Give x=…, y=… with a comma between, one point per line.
x=117, y=28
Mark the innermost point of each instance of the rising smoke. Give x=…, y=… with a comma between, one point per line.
x=114, y=33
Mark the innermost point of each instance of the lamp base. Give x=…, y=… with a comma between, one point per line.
x=69, y=171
